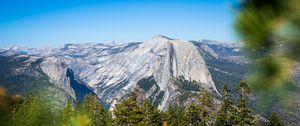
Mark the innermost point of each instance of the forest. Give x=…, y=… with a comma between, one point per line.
x=33, y=110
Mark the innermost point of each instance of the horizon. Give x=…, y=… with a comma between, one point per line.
x=115, y=42
x=40, y=24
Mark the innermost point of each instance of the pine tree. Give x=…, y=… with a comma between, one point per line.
x=78, y=109
x=33, y=112
x=206, y=108
x=245, y=115
x=94, y=110
x=79, y=120
x=152, y=116
x=169, y=116
x=175, y=115
x=66, y=113
x=274, y=120
x=192, y=116
x=225, y=116
x=129, y=112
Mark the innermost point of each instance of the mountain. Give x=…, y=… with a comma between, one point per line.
x=166, y=70
x=21, y=76
x=226, y=62
x=112, y=71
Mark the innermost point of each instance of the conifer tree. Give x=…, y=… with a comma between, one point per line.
x=94, y=110
x=169, y=116
x=175, y=115
x=225, y=116
x=206, y=108
x=78, y=108
x=79, y=120
x=33, y=112
x=152, y=116
x=274, y=120
x=192, y=115
x=129, y=112
x=245, y=115
x=66, y=113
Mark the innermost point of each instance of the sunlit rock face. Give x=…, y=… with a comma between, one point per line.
x=112, y=71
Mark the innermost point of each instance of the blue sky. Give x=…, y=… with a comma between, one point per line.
x=51, y=23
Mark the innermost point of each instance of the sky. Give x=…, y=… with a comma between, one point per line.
x=51, y=23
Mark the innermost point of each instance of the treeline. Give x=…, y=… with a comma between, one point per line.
x=134, y=111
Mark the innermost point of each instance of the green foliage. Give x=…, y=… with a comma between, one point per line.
x=90, y=109
x=128, y=112
x=146, y=83
x=244, y=115
x=206, y=108
x=66, y=113
x=226, y=115
x=33, y=112
x=200, y=113
x=159, y=98
x=94, y=110
x=38, y=110
x=135, y=111
x=79, y=120
x=78, y=109
x=192, y=115
x=184, y=84
x=271, y=35
x=152, y=116
x=8, y=104
x=175, y=115
x=243, y=89
x=274, y=120
x=270, y=30
x=89, y=113
x=31, y=79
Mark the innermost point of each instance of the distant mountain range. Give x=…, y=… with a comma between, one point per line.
x=165, y=70
x=112, y=71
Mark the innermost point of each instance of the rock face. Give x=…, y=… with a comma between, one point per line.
x=113, y=71
x=21, y=74
x=160, y=57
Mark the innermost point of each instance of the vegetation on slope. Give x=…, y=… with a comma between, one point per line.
x=34, y=110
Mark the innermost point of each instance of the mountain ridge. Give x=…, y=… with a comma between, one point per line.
x=112, y=71
x=161, y=67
